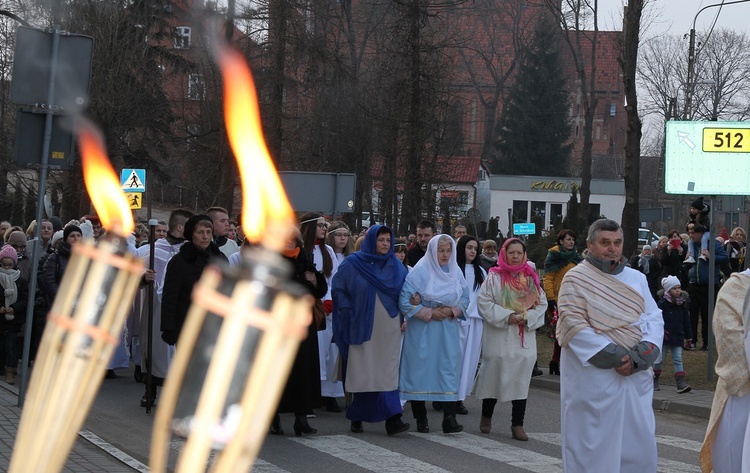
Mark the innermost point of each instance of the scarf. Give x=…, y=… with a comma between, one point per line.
x=557, y=258
x=8, y=278
x=360, y=278
x=643, y=262
x=668, y=297
x=590, y=297
x=443, y=285
x=607, y=266
x=520, y=284
x=290, y=252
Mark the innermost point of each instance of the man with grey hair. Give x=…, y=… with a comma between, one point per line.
x=611, y=331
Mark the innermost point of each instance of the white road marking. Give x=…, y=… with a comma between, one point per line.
x=366, y=455
x=262, y=466
x=115, y=452
x=665, y=465
x=498, y=451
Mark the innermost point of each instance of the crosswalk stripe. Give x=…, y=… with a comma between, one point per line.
x=498, y=451
x=679, y=442
x=262, y=466
x=665, y=465
x=366, y=455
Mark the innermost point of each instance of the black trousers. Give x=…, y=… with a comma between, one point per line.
x=699, y=309
x=419, y=409
x=517, y=414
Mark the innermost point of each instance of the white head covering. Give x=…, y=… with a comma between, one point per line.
x=669, y=282
x=435, y=283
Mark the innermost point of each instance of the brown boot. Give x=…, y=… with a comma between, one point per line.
x=485, y=425
x=518, y=433
x=10, y=375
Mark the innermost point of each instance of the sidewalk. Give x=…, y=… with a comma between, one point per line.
x=696, y=403
x=85, y=457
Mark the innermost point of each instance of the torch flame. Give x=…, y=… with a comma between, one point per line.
x=102, y=183
x=265, y=209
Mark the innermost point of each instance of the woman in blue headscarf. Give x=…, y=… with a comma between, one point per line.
x=367, y=330
x=431, y=358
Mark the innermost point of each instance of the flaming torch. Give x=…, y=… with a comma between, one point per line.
x=83, y=325
x=245, y=324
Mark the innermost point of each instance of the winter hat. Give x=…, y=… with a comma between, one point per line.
x=56, y=237
x=56, y=223
x=8, y=252
x=698, y=203
x=192, y=222
x=70, y=229
x=17, y=238
x=646, y=247
x=669, y=282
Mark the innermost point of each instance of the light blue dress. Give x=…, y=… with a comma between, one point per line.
x=431, y=356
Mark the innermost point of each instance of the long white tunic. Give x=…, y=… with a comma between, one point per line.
x=608, y=419
x=328, y=352
x=161, y=352
x=506, y=368
x=470, y=337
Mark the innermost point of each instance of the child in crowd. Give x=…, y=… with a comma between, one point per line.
x=699, y=215
x=675, y=308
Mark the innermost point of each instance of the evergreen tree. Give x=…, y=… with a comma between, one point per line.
x=535, y=129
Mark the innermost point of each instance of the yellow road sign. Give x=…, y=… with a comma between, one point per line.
x=726, y=140
x=135, y=199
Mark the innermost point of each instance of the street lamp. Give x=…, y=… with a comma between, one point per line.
x=690, y=84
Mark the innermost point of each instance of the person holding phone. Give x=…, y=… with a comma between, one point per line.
x=672, y=257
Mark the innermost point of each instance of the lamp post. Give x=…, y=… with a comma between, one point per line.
x=690, y=84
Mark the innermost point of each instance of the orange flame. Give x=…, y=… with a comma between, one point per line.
x=266, y=212
x=102, y=182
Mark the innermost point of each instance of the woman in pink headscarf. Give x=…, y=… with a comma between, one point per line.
x=512, y=305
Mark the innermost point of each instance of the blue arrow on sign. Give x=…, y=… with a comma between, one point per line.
x=133, y=180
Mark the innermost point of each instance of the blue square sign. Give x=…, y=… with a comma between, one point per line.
x=524, y=228
x=133, y=180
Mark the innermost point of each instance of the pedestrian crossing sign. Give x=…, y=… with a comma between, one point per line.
x=133, y=180
x=135, y=200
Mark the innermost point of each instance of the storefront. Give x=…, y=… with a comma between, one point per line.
x=519, y=199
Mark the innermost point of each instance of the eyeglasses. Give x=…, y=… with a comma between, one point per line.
x=322, y=225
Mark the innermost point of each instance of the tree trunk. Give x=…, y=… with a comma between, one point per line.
x=277, y=19
x=628, y=61
x=412, y=203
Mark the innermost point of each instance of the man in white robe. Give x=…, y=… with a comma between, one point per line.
x=164, y=250
x=611, y=332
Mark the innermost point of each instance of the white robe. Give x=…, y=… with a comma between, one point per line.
x=161, y=352
x=328, y=352
x=470, y=337
x=607, y=419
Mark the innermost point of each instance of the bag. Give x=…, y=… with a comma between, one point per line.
x=319, y=315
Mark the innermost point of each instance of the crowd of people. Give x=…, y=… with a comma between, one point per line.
x=435, y=318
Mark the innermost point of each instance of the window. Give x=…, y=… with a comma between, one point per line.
x=182, y=37
x=612, y=109
x=196, y=87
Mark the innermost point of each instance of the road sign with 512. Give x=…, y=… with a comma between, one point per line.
x=726, y=140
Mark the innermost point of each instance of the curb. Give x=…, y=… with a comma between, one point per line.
x=552, y=383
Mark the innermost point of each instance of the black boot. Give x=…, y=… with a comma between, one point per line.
x=357, y=427
x=423, y=426
x=276, y=426
x=536, y=371
x=461, y=409
x=451, y=425
x=138, y=374
x=302, y=427
x=331, y=404
x=144, y=399
x=394, y=425
x=554, y=368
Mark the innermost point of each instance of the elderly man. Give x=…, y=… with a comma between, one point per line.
x=610, y=330
x=459, y=231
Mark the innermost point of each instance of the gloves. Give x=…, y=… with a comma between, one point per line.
x=643, y=355
x=609, y=357
x=328, y=306
x=169, y=337
x=9, y=317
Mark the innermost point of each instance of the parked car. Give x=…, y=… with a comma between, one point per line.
x=646, y=237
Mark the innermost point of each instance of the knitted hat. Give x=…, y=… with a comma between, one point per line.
x=669, y=282
x=56, y=223
x=192, y=222
x=56, y=237
x=698, y=203
x=17, y=238
x=646, y=247
x=8, y=252
x=70, y=229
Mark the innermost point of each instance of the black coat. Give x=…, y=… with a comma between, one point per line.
x=676, y=320
x=19, y=307
x=53, y=271
x=414, y=254
x=671, y=261
x=654, y=273
x=302, y=391
x=183, y=271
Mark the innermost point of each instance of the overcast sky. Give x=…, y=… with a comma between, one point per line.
x=676, y=16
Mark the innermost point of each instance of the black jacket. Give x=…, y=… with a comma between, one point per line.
x=183, y=271
x=53, y=271
x=676, y=320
